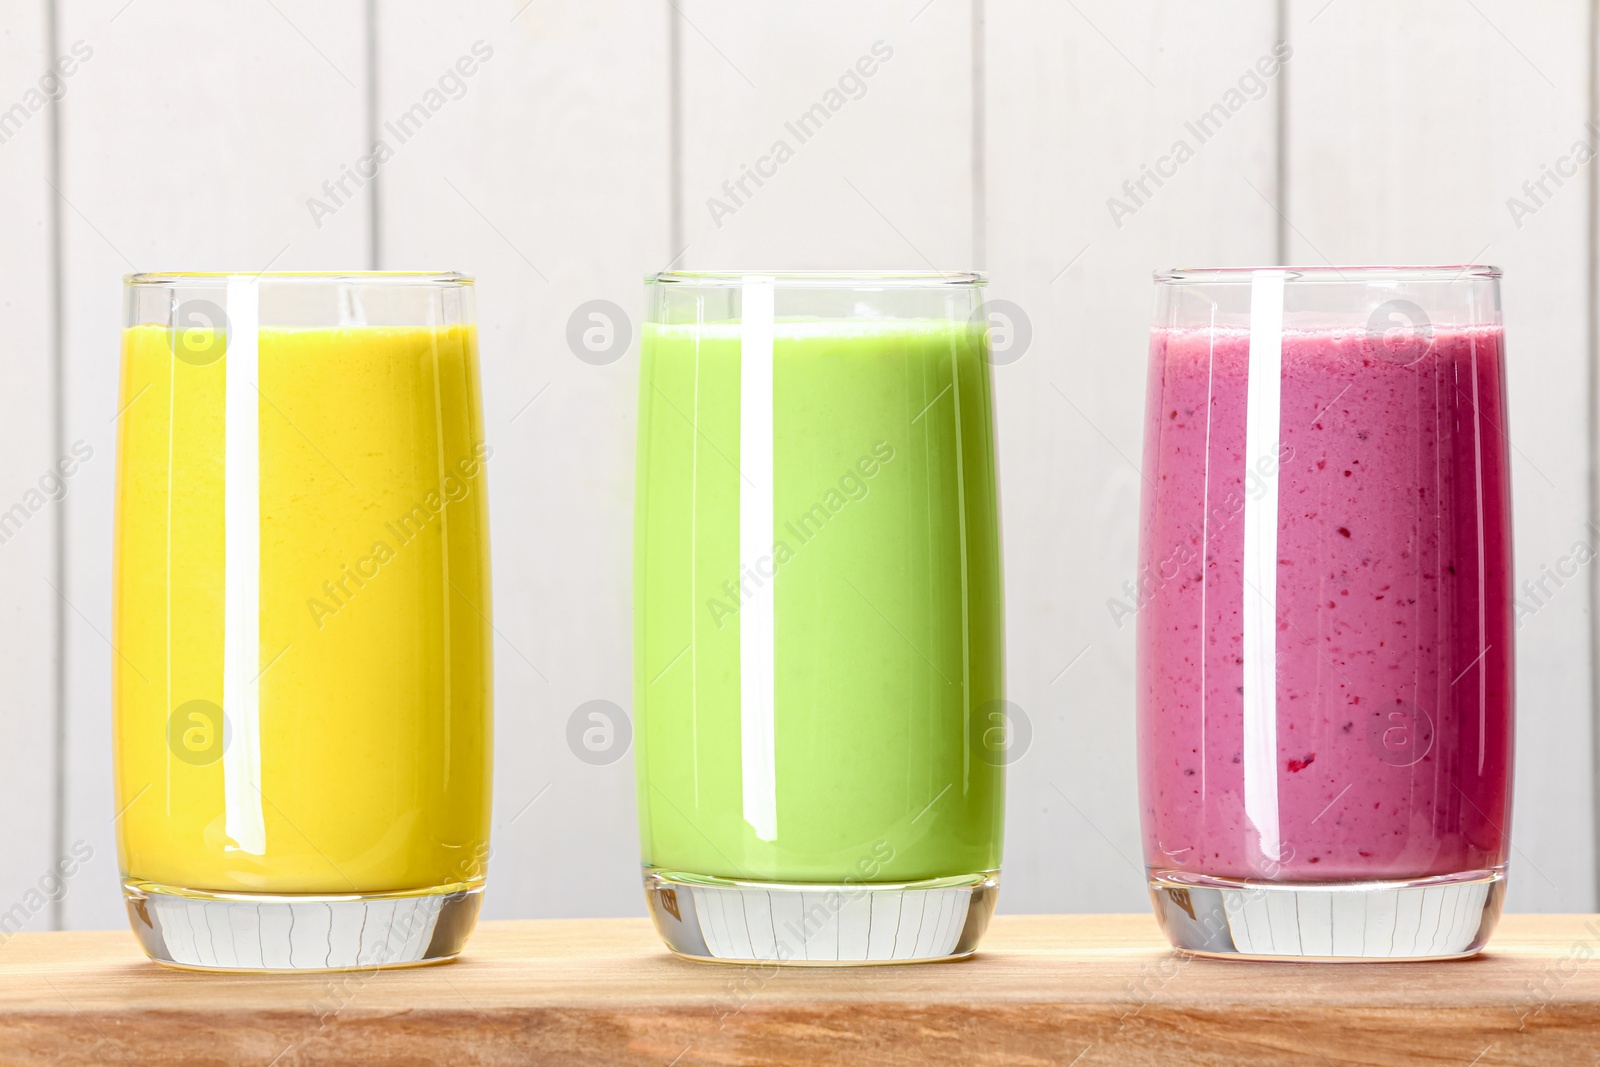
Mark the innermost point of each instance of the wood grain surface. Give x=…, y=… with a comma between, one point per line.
x=1080, y=989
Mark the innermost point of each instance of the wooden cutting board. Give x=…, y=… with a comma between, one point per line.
x=1061, y=989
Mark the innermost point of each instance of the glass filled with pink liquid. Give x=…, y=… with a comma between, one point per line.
x=1325, y=612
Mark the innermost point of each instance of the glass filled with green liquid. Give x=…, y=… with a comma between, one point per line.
x=818, y=663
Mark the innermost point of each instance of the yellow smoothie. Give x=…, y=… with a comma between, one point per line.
x=357, y=757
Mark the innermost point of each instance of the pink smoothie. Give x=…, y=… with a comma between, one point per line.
x=1394, y=610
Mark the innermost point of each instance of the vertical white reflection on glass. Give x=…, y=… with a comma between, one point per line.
x=241, y=663
x=1260, y=594
x=758, y=755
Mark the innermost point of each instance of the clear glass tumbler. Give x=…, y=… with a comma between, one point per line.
x=817, y=648
x=1325, y=612
x=301, y=682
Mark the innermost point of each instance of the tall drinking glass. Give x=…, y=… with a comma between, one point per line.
x=1325, y=623
x=301, y=679
x=817, y=613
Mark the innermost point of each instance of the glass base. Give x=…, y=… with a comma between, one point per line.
x=300, y=932
x=1444, y=917
x=820, y=925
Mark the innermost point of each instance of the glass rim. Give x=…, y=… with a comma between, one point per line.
x=824, y=279
x=440, y=278
x=1329, y=273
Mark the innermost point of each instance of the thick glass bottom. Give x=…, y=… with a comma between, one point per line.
x=801, y=924
x=300, y=932
x=1444, y=917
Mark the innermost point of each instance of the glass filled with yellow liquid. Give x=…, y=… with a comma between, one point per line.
x=301, y=677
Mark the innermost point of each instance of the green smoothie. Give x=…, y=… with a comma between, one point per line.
x=820, y=708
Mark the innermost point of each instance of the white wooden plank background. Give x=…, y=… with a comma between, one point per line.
x=886, y=182
x=29, y=609
x=581, y=157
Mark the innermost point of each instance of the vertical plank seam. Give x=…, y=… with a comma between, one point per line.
x=1280, y=137
x=58, y=688
x=1592, y=351
x=980, y=138
x=374, y=233
x=674, y=133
